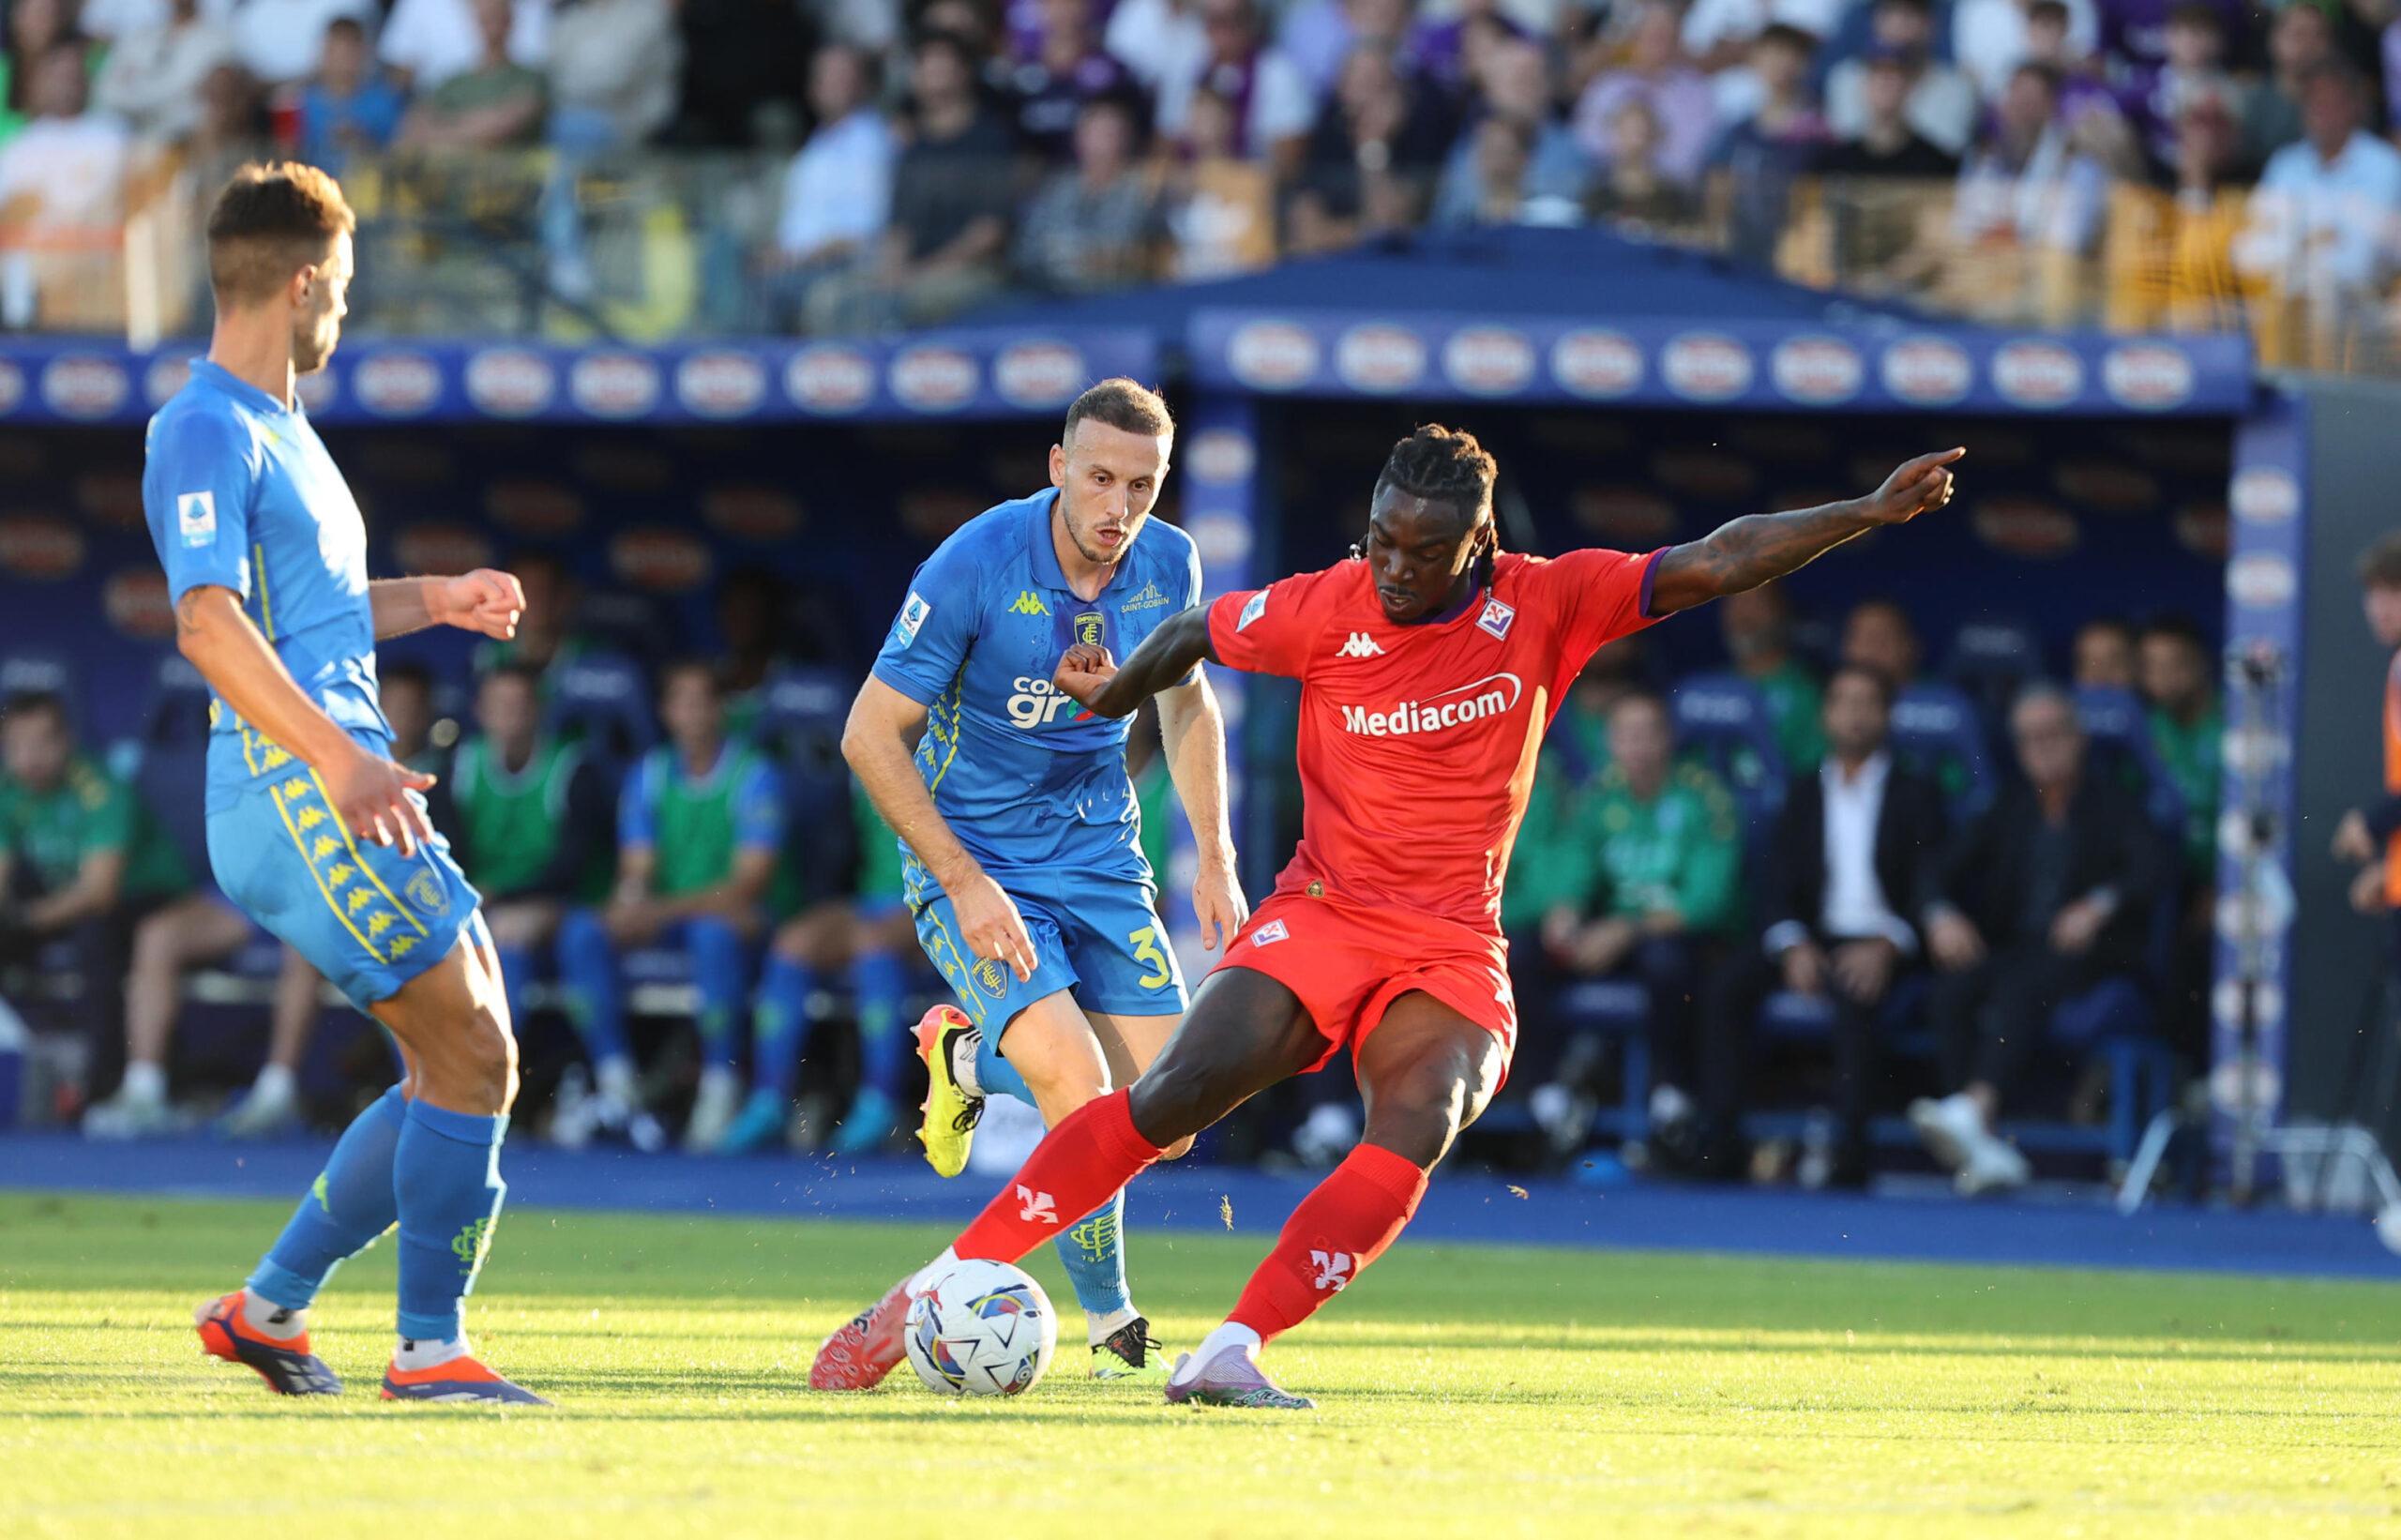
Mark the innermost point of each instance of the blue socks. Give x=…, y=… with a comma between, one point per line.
x=595, y=999
x=719, y=968
x=1093, y=1254
x=350, y=1204
x=779, y=1027
x=447, y=1173
x=880, y=982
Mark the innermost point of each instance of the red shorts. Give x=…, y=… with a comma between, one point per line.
x=1349, y=964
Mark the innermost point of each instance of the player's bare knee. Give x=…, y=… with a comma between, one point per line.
x=1171, y=1103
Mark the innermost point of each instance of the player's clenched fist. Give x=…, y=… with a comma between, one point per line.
x=486, y=601
x=373, y=797
x=1084, y=671
x=1920, y=484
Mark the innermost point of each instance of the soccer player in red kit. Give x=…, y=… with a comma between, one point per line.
x=1431, y=664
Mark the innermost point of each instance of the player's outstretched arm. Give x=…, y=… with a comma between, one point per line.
x=1763, y=547
x=1193, y=732
x=370, y=792
x=486, y=601
x=1088, y=677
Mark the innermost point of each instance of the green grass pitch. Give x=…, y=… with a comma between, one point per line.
x=1464, y=1389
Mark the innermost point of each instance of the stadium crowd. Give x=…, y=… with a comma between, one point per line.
x=2208, y=153
x=671, y=841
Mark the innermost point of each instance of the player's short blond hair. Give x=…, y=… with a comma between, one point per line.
x=272, y=219
x=1122, y=404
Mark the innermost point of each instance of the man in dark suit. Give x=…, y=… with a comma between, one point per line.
x=2049, y=893
x=1852, y=868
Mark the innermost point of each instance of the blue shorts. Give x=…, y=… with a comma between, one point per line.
x=364, y=915
x=1101, y=939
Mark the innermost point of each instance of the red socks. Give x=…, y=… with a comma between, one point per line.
x=1354, y=1214
x=1094, y=1151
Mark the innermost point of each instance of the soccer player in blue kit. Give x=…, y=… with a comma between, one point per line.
x=1018, y=824
x=313, y=831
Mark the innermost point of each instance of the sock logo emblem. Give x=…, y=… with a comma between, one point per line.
x=1037, y=1205
x=1096, y=1237
x=472, y=1243
x=1332, y=1270
x=317, y=1191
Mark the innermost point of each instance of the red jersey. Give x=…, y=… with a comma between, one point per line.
x=1418, y=743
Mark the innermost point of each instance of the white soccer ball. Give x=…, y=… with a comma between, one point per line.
x=981, y=1328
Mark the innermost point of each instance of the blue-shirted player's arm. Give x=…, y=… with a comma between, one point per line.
x=638, y=829
x=1193, y=732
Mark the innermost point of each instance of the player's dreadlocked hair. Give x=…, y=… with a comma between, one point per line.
x=270, y=221
x=1446, y=465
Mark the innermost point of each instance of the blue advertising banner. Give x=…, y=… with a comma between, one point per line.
x=1748, y=365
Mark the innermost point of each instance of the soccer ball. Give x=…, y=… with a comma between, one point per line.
x=980, y=1328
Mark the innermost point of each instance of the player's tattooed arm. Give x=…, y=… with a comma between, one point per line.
x=1763, y=547
x=1165, y=656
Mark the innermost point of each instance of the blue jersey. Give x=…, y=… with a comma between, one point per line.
x=240, y=494
x=1024, y=776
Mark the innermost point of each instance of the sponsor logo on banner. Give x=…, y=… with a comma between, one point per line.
x=1633, y=517
x=720, y=383
x=538, y=509
x=1221, y=538
x=1706, y=366
x=622, y=463
x=79, y=385
x=317, y=391
x=1272, y=354
x=1038, y=374
x=12, y=387
x=397, y=384
x=613, y=385
x=1488, y=360
x=1928, y=371
x=40, y=545
x=2148, y=376
x=1704, y=473
x=2109, y=486
x=933, y=379
x=1494, y=694
x=2261, y=581
x=2201, y=528
x=2023, y=526
x=2036, y=374
x=1222, y=454
x=931, y=513
x=761, y=514
x=1380, y=359
x=163, y=378
x=1817, y=370
x=829, y=378
x=1601, y=364
x=442, y=548
x=111, y=497
x=511, y=382
x=662, y=560
x=2266, y=495
x=135, y=599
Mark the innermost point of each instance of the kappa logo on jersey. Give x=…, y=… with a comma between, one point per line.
x=1333, y=1269
x=196, y=516
x=1494, y=694
x=1272, y=931
x=1256, y=608
x=1497, y=618
x=1037, y=1205
x=912, y=616
x=1088, y=628
x=1028, y=603
x=1360, y=645
x=1149, y=599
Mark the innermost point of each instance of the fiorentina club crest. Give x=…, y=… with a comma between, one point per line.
x=1497, y=618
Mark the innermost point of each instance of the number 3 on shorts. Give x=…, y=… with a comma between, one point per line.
x=1146, y=951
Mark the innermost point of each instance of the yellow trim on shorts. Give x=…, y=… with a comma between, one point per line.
x=962, y=984
x=300, y=843
x=366, y=870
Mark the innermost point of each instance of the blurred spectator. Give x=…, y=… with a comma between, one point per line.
x=1220, y=208
x=549, y=632
x=1454, y=52
x=1159, y=41
x=1500, y=189
x=1717, y=35
x=1556, y=174
x=1098, y=225
x=1877, y=634
x=949, y=228
x=2026, y=184
x=2140, y=33
x=153, y=77
x=404, y=689
x=1319, y=35
x=1887, y=140
x=2300, y=37
x=282, y=42
x=2192, y=69
x=763, y=628
x=611, y=66
x=431, y=42
x=1656, y=74
x=2178, y=684
x=112, y=21
x=1549, y=865
x=1852, y=870
x=34, y=28
x=746, y=73
x=1371, y=160
x=1988, y=37
x=2324, y=219
x=2104, y=655
x=1663, y=856
x=62, y=199
x=1273, y=107
x=1069, y=70
x=495, y=104
x=347, y=109
x=2049, y=892
x=837, y=192
x=1634, y=187
x=698, y=828
x=1757, y=625
x=1939, y=101
x=2369, y=837
x=1762, y=153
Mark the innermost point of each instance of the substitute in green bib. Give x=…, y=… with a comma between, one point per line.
x=700, y=823
x=1757, y=629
